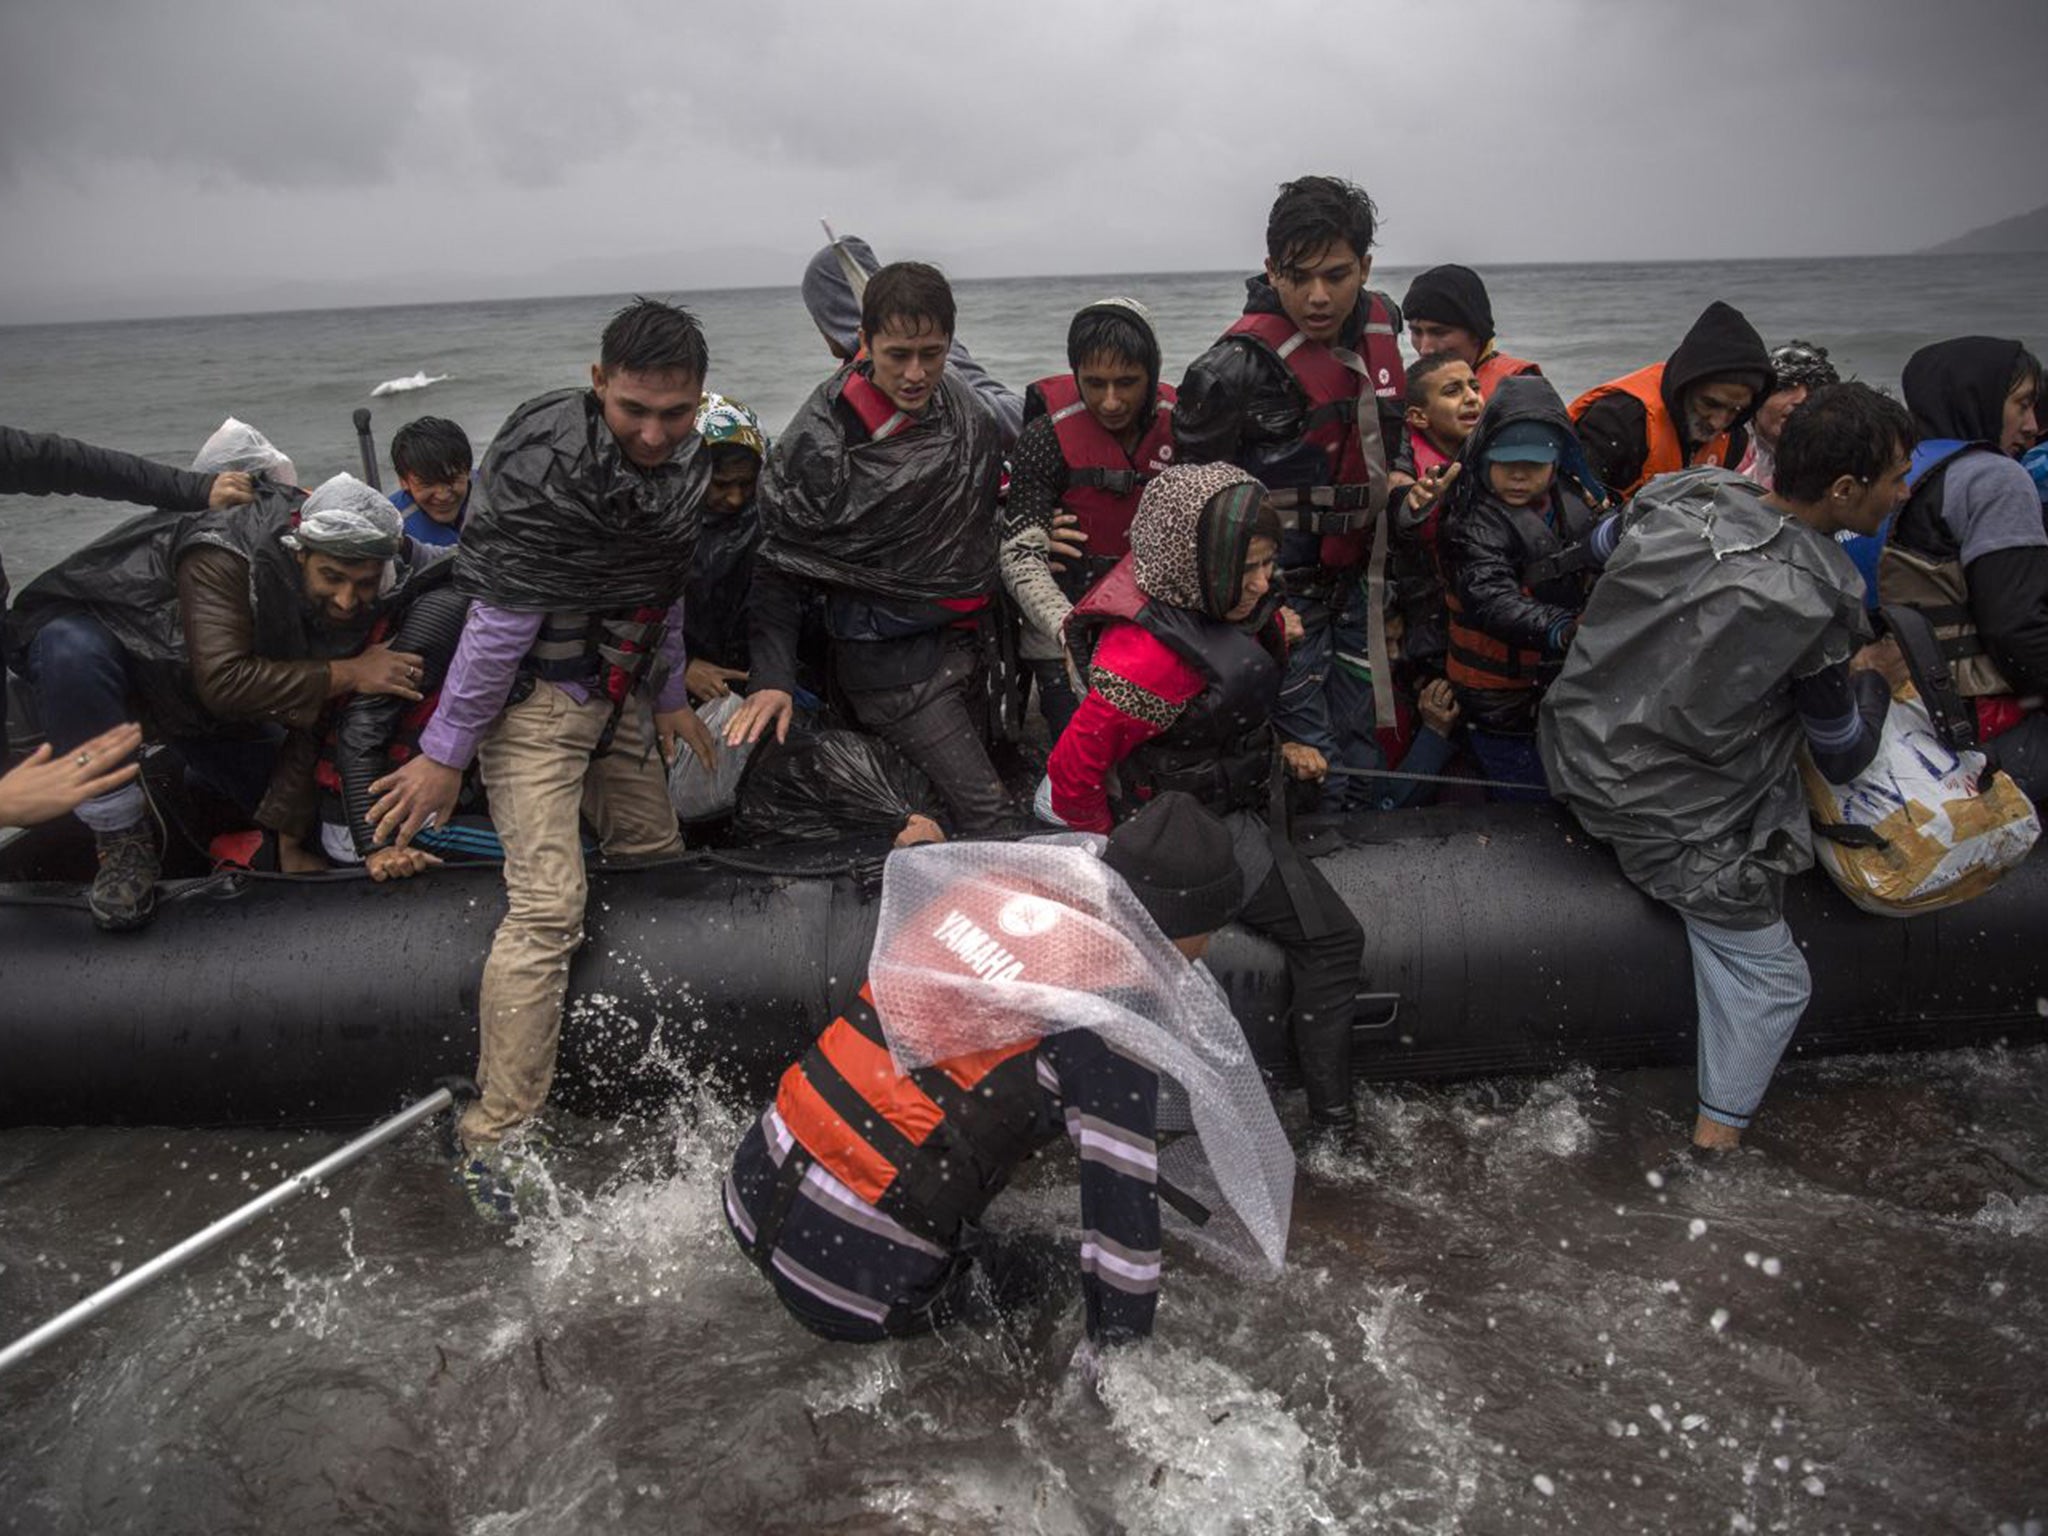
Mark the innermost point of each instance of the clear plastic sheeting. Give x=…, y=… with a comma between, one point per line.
x=704, y=794
x=235, y=445
x=981, y=945
x=349, y=520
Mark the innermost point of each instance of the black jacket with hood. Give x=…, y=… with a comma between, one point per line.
x=1490, y=553
x=1615, y=428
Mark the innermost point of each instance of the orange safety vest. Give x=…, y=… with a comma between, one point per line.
x=1479, y=660
x=1496, y=366
x=931, y=1148
x=1665, y=455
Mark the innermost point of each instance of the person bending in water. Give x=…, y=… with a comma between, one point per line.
x=860, y=1191
x=881, y=496
x=1688, y=409
x=568, y=678
x=1182, y=693
x=1727, y=632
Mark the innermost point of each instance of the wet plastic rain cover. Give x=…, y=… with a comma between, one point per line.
x=822, y=785
x=235, y=445
x=981, y=945
x=1671, y=732
x=704, y=794
x=910, y=517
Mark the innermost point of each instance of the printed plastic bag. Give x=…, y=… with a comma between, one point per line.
x=1913, y=832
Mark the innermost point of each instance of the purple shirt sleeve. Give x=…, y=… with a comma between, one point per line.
x=674, y=657
x=479, y=680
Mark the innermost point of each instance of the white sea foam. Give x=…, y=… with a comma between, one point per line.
x=409, y=383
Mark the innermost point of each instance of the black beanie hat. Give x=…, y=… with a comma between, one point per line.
x=1451, y=295
x=1178, y=861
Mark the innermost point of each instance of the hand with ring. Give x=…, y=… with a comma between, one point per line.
x=44, y=785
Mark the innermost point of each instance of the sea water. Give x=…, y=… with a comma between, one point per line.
x=1516, y=1312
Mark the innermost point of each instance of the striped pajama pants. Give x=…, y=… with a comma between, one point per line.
x=1752, y=987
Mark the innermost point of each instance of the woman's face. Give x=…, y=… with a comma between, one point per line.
x=1255, y=580
x=2020, y=429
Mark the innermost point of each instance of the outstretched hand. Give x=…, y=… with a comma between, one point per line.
x=676, y=729
x=46, y=785
x=1430, y=488
x=765, y=708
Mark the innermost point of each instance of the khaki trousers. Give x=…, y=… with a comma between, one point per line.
x=537, y=766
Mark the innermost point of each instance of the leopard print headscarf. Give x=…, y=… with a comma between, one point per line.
x=1189, y=537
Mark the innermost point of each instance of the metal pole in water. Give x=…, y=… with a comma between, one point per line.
x=227, y=1226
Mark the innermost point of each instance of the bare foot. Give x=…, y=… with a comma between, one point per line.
x=1713, y=1136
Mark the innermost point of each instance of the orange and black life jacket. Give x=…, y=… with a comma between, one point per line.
x=931, y=1148
x=1478, y=660
x=405, y=738
x=1103, y=482
x=1665, y=454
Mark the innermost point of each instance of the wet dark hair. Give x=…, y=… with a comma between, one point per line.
x=1841, y=429
x=1109, y=330
x=648, y=336
x=724, y=455
x=1314, y=212
x=910, y=292
x=1419, y=373
x=432, y=450
x=2026, y=369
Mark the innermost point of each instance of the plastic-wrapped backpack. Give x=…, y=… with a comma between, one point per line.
x=1930, y=823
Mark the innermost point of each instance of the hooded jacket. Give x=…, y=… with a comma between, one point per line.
x=1671, y=732
x=1517, y=577
x=1182, y=694
x=1633, y=427
x=560, y=522
x=1970, y=547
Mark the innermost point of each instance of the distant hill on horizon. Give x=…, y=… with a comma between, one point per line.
x=2023, y=232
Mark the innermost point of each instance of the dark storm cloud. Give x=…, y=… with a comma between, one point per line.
x=517, y=140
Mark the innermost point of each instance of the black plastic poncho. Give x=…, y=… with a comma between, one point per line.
x=559, y=520
x=912, y=517
x=1671, y=732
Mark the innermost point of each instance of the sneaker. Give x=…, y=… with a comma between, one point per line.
x=503, y=1181
x=123, y=893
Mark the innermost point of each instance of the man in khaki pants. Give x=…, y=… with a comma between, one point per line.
x=569, y=675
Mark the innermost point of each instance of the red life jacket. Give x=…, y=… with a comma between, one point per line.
x=1333, y=378
x=1103, y=482
x=1496, y=366
x=877, y=412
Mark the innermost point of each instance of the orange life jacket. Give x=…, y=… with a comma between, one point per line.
x=1496, y=366
x=1665, y=453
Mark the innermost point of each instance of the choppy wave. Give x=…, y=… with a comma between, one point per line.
x=409, y=383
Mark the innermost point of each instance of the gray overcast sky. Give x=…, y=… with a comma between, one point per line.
x=215, y=154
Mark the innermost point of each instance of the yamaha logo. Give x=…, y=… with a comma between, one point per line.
x=1026, y=917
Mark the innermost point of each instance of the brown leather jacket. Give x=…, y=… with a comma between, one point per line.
x=234, y=683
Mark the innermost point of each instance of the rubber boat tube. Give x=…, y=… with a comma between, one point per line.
x=1498, y=940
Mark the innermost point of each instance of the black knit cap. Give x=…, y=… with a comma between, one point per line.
x=1451, y=295
x=1178, y=861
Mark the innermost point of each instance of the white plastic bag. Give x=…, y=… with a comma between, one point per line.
x=699, y=794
